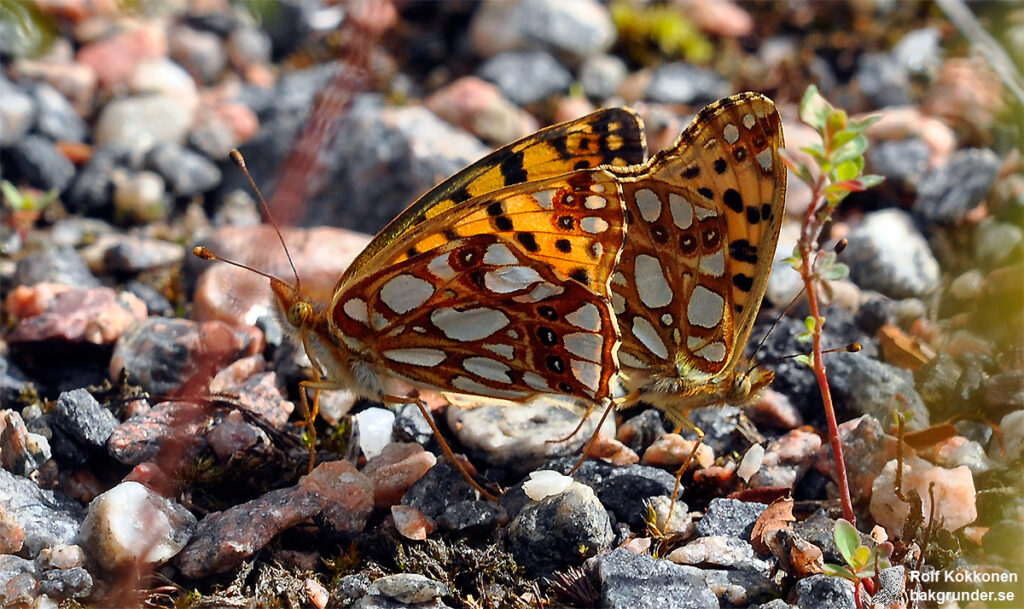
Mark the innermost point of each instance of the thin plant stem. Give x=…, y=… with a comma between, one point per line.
x=811, y=230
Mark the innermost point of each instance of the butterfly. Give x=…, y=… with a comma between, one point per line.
x=703, y=221
x=494, y=283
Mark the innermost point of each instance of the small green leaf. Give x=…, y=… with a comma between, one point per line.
x=861, y=125
x=861, y=557
x=816, y=150
x=839, y=571
x=814, y=109
x=835, y=272
x=850, y=150
x=804, y=358
x=847, y=539
x=835, y=123
x=798, y=167
x=871, y=180
x=810, y=323
x=847, y=170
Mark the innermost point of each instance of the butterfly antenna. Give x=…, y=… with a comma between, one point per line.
x=239, y=161
x=837, y=248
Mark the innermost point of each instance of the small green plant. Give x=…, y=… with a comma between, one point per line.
x=862, y=563
x=836, y=170
x=666, y=28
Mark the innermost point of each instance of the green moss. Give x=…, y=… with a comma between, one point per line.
x=648, y=30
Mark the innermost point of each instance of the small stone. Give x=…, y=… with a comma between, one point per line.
x=12, y=534
x=730, y=517
x=375, y=426
x=575, y=30
x=247, y=45
x=602, y=75
x=787, y=459
x=887, y=253
x=22, y=585
x=409, y=423
x=12, y=381
x=140, y=123
x=545, y=483
x=684, y=83
x=78, y=413
x=92, y=190
x=519, y=438
x=718, y=551
x=256, y=388
x=395, y=469
x=626, y=491
x=681, y=522
x=949, y=191
x=234, y=435
x=156, y=303
x=467, y=517
x=112, y=534
x=222, y=540
x=21, y=452
x=865, y=386
x=996, y=242
x=824, y=592
x=545, y=536
x=740, y=587
x=411, y=523
x=163, y=354
x=200, y=53
x=438, y=489
x=177, y=425
x=775, y=410
x=1012, y=427
x=65, y=583
x=640, y=431
x=115, y=57
x=479, y=107
x=347, y=494
x=958, y=450
x=98, y=316
x=37, y=162
x=920, y=51
x=17, y=112
x=866, y=449
x=903, y=163
x=671, y=450
x=57, y=118
x=140, y=197
x=632, y=581
x=185, y=172
x=526, y=77
x=62, y=556
x=883, y=80
x=409, y=588
x=28, y=301
x=954, y=495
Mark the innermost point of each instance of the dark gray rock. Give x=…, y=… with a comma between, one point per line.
x=48, y=517
x=57, y=118
x=887, y=253
x=626, y=490
x=128, y=254
x=66, y=583
x=948, y=192
x=526, y=77
x=572, y=30
x=156, y=303
x=685, y=83
x=903, y=163
x=875, y=312
x=824, y=592
x=187, y=173
x=730, y=517
x=720, y=425
x=882, y=79
x=36, y=161
x=546, y=535
x=601, y=76
x=865, y=386
x=642, y=430
x=636, y=581
x=437, y=490
x=468, y=517
x=80, y=415
x=54, y=265
x=92, y=191
x=740, y=587
x=351, y=588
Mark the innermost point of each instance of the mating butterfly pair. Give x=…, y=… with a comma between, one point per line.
x=520, y=275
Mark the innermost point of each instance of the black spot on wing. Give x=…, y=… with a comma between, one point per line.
x=743, y=282
x=528, y=241
x=733, y=200
x=743, y=251
x=512, y=169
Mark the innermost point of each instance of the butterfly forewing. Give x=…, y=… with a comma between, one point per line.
x=611, y=136
x=479, y=315
x=704, y=218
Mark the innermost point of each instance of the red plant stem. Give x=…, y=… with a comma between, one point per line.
x=811, y=230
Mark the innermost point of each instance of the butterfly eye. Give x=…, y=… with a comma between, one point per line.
x=299, y=314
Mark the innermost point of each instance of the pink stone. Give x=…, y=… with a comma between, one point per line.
x=347, y=494
x=787, y=459
x=719, y=17
x=238, y=297
x=775, y=410
x=866, y=448
x=97, y=315
x=12, y=534
x=26, y=301
x=955, y=500
x=671, y=449
x=479, y=107
x=115, y=58
x=395, y=469
x=411, y=523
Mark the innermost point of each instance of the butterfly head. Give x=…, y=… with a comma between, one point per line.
x=297, y=310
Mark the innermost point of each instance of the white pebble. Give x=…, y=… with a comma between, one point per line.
x=545, y=483
x=374, y=426
x=751, y=462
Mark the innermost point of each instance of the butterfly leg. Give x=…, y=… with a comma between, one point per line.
x=390, y=399
x=586, y=415
x=310, y=412
x=682, y=468
x=612, y=405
